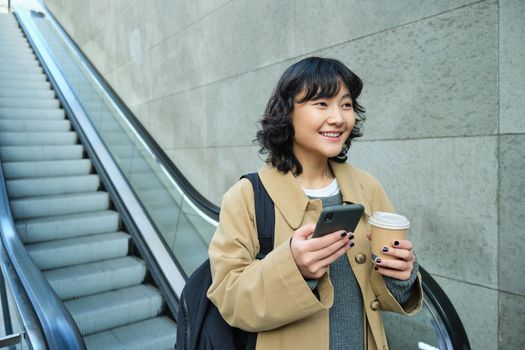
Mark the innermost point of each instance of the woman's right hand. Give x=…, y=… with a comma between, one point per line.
x=313, y=256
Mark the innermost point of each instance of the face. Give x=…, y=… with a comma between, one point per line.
x=322, y=126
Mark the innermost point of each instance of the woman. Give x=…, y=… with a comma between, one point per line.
x=310, y=293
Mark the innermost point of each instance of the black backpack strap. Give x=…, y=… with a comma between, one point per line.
x=264, y=215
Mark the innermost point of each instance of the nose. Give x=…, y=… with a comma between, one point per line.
x=335, y=117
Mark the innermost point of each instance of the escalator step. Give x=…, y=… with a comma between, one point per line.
x=108, y=310
x=52, y=185
x=17, y=52
x=13, y=138
x=8, y=23
x=34, y=124
x=40, y=153
x=78, y=250
x=25, y=102
x=67, y=226
x=33, y=68
x=28, y=62
x=14, y=41
x=20, y=170
x=101, y=276
x=25, y=84
x=14, y=38
x=33, y=207
x=31, y=113
x=157, y=333
x=27, y=94
x=22, y=76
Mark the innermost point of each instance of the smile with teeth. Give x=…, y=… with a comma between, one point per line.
x=331, y=134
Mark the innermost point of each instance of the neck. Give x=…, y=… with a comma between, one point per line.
x=316, y=173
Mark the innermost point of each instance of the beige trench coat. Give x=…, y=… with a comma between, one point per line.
x=270, y=296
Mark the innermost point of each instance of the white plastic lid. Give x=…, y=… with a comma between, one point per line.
x=389, y=220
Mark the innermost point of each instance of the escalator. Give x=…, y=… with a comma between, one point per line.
x=101, y=216
x=63, y=215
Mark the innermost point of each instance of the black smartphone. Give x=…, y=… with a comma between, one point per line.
x=338, y=217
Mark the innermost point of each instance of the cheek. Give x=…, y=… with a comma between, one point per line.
x=350, y=121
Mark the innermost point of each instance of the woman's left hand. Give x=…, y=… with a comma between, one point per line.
x=400, y=268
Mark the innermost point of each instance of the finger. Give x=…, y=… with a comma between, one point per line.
x=403, y=244
x=319, y=243
x=323, y=263
x=369, y=235
x=403, y=254
x=399, y=265
x=331, y=249
x=314, y=263
x=403, y=276
x=351, y=240
x=303, y=232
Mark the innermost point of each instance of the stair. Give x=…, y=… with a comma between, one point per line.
x=63, y=215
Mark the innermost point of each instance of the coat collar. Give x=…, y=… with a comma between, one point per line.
x=289, y=197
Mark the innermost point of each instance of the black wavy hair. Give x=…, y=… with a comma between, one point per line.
x=316, y=77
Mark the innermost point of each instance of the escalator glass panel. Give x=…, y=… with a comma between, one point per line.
x=423, y=331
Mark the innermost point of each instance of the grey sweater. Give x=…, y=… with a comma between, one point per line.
x=346, y=315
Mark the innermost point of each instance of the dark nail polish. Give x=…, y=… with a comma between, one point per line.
x=351, y=244
x=376, y=268
x=378, y=260
x=351, y=236
x=396, y=243
x=343, y=234
x=385, y=249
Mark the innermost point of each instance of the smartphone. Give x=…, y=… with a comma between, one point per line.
x=338, y=217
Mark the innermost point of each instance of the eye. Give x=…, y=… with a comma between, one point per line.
x=347, y=105
x=321, y=104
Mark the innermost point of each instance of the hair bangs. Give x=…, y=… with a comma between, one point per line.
x=323, y=80
x=316, y=86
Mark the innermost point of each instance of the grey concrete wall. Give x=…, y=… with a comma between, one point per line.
x=443, y=89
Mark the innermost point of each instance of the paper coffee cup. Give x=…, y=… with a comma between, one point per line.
x=386, y=228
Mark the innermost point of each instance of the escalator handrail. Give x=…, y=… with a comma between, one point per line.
x=447, y=313
x=48, y=323
x=207, y=207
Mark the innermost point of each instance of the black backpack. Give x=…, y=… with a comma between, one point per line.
x=199, y=323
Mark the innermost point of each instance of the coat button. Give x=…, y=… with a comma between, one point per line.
x=360, y=258
x=375, y=305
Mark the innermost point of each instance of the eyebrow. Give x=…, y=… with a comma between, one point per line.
x=347, y=95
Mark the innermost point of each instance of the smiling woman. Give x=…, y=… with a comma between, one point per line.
x=310, y=293
x=307, y=81
x=321, y=126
